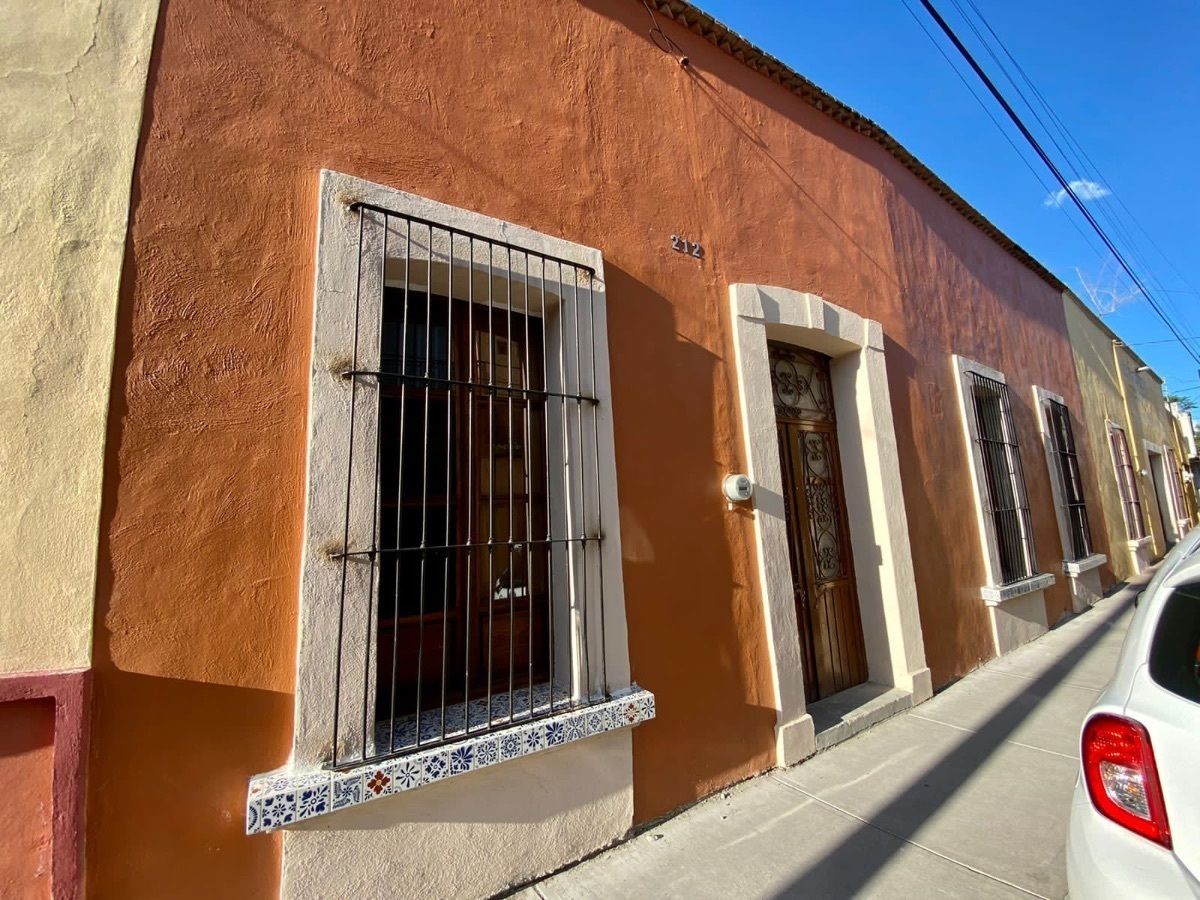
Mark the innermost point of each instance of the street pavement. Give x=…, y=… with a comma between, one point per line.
x=966, y=795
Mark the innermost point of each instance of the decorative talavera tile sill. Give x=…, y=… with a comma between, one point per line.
x=1079, y=566
x=994, y=596
x=283, y=797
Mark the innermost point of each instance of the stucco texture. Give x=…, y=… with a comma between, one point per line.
x=469, y=836
x=1146, y=419
x=26, y=784
x=564, y=117
x=72, y=77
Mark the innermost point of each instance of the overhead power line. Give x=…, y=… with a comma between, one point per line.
x=1087, y=239
x=1054, y=170
x=1190, y=337
x=1079, y=159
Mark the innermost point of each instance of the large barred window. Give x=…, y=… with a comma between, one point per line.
x=1131, y=501
x=461, y=468
x=1066, y=458
x=1006, y=499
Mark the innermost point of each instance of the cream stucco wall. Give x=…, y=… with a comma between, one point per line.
x=72, y=79
x=471, y=835
x=1144, y=417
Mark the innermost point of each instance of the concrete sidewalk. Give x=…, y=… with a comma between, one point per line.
x=967, y=795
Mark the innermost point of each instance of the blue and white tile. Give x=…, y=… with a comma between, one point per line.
x=253, y=816
x=278, y=810
x=435, y=766
x=556, y=733
x=407, y=773
x=312, y=801
x=535, y=738
x=346, y=790
x=646, y=701
x=462, y=758
x=597, y=720
x=487, y=751
x=512, y=744
x=277, y=798
x=575, y=726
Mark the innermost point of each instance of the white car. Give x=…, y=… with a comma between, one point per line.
x=1135, y=817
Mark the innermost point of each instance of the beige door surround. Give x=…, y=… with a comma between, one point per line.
x=874, y=499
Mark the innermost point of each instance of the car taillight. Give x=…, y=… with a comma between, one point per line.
x=1122, y=780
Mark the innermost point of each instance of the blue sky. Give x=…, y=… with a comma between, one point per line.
x=1123, y=77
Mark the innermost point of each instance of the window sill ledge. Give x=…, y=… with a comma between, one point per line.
x=1139, y=543
x=280, y=798
x=1079, y=566
x=994, y=595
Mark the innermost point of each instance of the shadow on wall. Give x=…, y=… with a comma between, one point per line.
x=1016, y=324
x=740, y=81
x=169, y=758
x=851, y=866
x=696, y=634
x=27, y=747
x=951, y=635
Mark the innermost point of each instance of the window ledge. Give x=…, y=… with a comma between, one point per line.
x=282, y=797
x=1079, y=566
x=994, y=595
x=1139, y=543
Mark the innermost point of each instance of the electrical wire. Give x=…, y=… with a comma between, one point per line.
x=1087, y=239
x=1050, y=164
x=1075, y=153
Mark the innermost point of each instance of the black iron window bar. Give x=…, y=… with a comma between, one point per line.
x=1062, y=440
x=473, y=378
x=1006, y=501
x=1131, y=503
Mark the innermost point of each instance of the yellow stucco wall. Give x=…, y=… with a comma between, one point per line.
x=1147, y=419
x=72, y=80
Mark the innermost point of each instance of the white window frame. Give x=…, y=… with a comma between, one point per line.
x=337, y=273
x=1041, y=400
x=1134, y=541
x=994, y=591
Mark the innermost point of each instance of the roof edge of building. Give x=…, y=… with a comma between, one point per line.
x=724, y=38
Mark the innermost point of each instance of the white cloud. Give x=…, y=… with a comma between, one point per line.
x=1084, y=190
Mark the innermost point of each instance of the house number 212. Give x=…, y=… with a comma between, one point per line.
x=683, y=245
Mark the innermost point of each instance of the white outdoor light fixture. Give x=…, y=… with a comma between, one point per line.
x=737, y=488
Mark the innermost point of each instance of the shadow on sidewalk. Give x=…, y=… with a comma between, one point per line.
x=855, y=861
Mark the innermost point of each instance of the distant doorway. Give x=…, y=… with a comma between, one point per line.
x=1162, y=503
x=827, y=610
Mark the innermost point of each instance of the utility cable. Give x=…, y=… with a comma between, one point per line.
x=1033, y=142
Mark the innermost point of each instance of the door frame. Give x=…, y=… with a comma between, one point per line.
x=874, y=498
x=1168, y=519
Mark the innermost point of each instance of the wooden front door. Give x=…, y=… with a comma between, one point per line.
x=827, y=613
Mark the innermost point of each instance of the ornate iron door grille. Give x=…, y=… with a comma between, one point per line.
x=1063, y=443
x=1006, y=499
x=1131, y=503
x=827, y=612
x=484, y=575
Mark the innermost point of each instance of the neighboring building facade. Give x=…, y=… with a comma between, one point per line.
x=711, y=274
x=1142, y=481
x=494, y=464
x=75, y=77
x=1185, y=437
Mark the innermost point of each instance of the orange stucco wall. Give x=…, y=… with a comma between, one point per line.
x=562, y=116
x=26, y=784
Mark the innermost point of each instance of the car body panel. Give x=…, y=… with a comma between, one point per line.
x=1104, y=859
